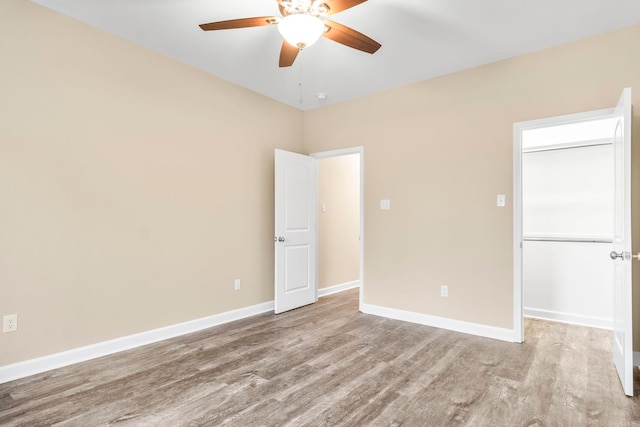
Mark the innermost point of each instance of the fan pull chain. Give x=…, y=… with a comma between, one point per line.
x=300, y=92
x=300, y=85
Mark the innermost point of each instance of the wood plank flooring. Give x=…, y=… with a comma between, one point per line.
x=341, y=368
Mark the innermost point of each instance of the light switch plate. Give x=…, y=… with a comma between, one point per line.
x=501, y=200
x=385, y=204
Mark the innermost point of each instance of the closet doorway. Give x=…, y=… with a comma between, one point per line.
x=567, y=216
x=579, y=227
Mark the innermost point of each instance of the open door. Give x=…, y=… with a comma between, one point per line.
x=295, y=230
x=621, y=254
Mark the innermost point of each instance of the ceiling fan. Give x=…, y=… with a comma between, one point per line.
x=301, y=25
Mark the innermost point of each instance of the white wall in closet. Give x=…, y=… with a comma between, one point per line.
x=567, y=222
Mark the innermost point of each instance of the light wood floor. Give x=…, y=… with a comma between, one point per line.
x=340, y=368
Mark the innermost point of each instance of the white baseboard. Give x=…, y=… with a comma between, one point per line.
x=442, y=323
x=574, y=319
x=337, y=288
x=58, y=360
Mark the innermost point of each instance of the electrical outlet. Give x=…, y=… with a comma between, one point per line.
x=236, y=285
x=444, y=291
x=10, y=323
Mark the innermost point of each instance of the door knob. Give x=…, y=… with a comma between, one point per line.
x=624, y=255
x=616, y=255
x=280, y=239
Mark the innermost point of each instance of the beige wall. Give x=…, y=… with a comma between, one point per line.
x=441, y=150
x=134, y=189
x=339, y=226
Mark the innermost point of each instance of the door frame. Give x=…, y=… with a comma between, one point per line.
x=345, y=152
x=518, y=129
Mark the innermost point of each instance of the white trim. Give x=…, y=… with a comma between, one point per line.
x=344, y=152
x=518, y=321
x=442, y=323
x=566, y=119
x=518, y=129
x=338, y=288
x=81, y=354
x=570, y=318
x=636, y=358
x=337, y=153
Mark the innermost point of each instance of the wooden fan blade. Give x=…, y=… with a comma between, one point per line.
x=336, y=6
x=288, y=54
x=350, y=37
x=240, y=23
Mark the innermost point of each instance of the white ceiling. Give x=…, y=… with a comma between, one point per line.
x=420, y=39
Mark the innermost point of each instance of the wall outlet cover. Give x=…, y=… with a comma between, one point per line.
x=10, y=323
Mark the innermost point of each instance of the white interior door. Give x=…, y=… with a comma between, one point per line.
x=621, y=255
x=295, y=230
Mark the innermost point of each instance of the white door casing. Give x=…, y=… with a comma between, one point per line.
x=622, y=310
x=295, y=230
x=621, y=255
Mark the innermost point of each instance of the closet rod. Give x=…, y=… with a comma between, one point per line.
x=556, y=147
x=567, y=239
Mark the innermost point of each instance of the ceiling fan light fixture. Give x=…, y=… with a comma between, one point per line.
x=301, y=30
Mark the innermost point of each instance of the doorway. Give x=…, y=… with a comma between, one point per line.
x=567, y=217
x=296, y=227
x=621, y=255
x=340, y=221
x=562, y=219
